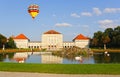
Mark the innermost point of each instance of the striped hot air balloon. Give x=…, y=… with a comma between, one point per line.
x=33, y=10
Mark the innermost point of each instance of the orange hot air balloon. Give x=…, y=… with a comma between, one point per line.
x=33, y=10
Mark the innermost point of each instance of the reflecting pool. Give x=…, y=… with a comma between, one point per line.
x=47, y=57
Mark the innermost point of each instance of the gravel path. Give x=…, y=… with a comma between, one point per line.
x=22, y=74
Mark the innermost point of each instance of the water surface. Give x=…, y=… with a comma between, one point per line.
x=37, y=57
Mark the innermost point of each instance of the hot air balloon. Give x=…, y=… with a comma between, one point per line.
x=33, y=10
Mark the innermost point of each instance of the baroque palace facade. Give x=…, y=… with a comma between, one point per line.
x=51, y=40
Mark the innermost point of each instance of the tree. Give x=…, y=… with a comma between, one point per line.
x=115, y=41
x=110, y=37
x=95, y=42
x=97, y=39
x=105, y=40
x=117, y=30
x=10, y=43
x=109, y=32
x=118, y=40
x=3, y=40
x=107, y=36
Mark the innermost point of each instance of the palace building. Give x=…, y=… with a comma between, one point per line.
x=51, y=40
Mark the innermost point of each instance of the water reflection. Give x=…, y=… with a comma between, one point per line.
x=20, y=57
x=5, y=56
x=51, y=59
x=38, y=57
x=105, y=58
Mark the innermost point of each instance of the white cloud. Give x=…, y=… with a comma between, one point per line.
x=75, y=15
x=86, y=14
x=111, y=10
x=97, y=11
x=107, y=24
x=63, y=24
x=104, y=22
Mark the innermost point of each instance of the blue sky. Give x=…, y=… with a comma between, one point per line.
x=69, y=17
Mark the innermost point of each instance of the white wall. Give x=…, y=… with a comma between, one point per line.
x=82, y=43
x=35, y=45
x=51, y=42
x=68, y=44
x=55, y=40
x=21, y=43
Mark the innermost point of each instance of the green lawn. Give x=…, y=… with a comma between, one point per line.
x=108, y=50
x=62, y=68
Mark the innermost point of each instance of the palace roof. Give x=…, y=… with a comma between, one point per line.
x=20, y=36
x=80, y=37
x=52, y=32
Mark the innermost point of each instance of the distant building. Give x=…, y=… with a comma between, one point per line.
x=21, y=41
x=51, y=40
x=81, y=41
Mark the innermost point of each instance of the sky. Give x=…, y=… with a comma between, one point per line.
x=69, y=17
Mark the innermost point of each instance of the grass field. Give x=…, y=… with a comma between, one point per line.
x=113, y=69
x=17, y=50
x=108, y=50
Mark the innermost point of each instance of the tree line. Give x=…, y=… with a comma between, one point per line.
x=6, y=43
x=110, y=38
